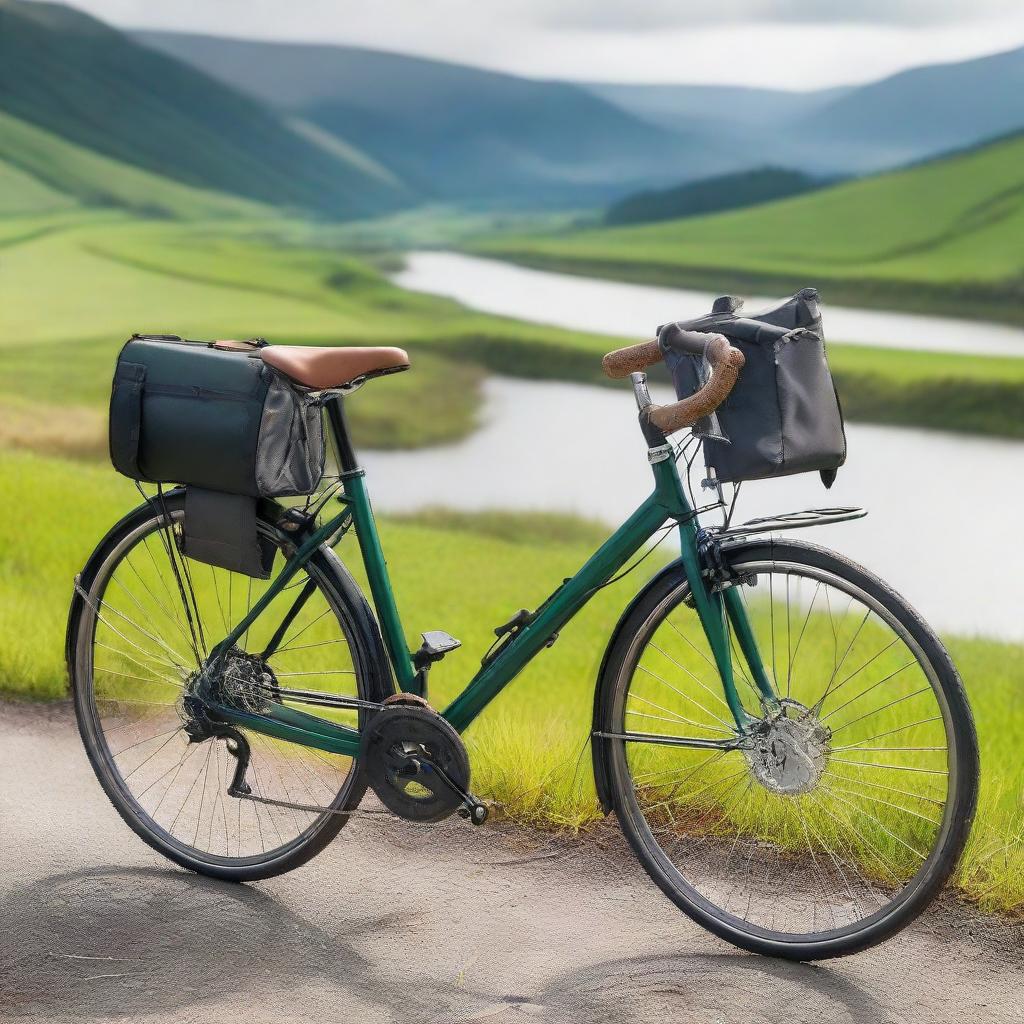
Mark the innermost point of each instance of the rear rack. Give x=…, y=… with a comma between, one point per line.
x=793, y=521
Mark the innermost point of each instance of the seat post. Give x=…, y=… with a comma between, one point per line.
x=339, y=428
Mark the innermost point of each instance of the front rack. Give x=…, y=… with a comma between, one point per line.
x=793, y=521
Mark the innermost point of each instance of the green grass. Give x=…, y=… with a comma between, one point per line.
x=77, y=283
x=943, y=236
x=23, y=195
x=54, y=174
x=464, y=577
x=973, y=394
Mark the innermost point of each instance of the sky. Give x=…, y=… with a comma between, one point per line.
x=789, y=44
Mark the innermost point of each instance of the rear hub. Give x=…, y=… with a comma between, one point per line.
x=239, y=680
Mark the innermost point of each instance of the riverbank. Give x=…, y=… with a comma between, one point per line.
x=1001, y=303
x=904, y=370
x=71, y=295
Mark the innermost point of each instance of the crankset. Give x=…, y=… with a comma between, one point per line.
x=415, y=762
x=417, y=765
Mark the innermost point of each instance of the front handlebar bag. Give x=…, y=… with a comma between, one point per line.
x=783, y=415
x=219, y=418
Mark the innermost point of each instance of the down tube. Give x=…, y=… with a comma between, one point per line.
x=562, y=606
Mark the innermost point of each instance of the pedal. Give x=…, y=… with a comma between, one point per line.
x=472, y=808
x=436, y=644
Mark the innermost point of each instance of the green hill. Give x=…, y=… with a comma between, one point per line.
x=71, y=75
x=709, y=195
x=945, y=235
x=456, y=132
x=42, y=173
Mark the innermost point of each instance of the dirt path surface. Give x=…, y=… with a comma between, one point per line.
x=395, y=923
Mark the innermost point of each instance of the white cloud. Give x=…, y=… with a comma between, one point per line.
x=799, y=44
x=615, y=15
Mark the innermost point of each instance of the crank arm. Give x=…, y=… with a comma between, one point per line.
x=472, y=807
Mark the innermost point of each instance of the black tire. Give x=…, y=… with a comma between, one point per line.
x=664, y=596
x=339, y=593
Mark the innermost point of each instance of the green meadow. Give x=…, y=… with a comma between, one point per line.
x=942, y=237
x=77, y=282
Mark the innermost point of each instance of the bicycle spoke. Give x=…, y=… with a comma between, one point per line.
x=685, y=696
x=884, y=707
x=888, y=789
x=682, y=719
x=890, y=767
x=700, y=682
x=889, y=732
x=178, y=790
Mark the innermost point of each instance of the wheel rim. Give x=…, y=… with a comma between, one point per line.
x=136, y=651
x=834, y=847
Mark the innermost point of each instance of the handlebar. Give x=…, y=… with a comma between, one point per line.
x=726, y=363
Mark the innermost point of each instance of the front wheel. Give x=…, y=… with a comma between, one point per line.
x=842, y=810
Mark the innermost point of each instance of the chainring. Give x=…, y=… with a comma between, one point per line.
x=400, y=747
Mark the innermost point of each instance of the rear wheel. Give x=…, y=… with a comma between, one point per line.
x=134, y=645
x=844, y=809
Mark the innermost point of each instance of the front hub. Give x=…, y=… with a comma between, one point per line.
x=788, y=749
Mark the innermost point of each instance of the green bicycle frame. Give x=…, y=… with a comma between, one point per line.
x=666, y=502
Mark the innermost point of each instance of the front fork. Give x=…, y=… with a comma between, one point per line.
x=724, y=616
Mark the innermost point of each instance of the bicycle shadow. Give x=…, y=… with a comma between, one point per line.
x=152, y=942
x=85, y=944
x=709, y=986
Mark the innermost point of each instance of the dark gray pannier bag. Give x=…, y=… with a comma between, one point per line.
x=188, y=412
x=783, y=415
x=214, y=417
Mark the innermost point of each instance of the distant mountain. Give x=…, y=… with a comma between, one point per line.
x=904, y=118
x=458, y=132
x=709, y=195
x=924, y=111
x=97, y=88
x=727, y=107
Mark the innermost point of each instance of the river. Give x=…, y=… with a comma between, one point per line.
x=942, y=506
x=634, y=310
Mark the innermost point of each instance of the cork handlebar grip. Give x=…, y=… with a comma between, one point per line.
x=624, y=361
x=726, y=363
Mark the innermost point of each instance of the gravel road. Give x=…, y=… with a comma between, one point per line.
x=399, y=923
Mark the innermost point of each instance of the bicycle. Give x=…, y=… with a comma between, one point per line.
x=797, y=808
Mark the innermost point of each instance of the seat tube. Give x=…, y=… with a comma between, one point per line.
x=354, y=481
